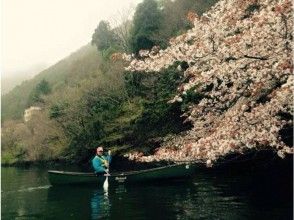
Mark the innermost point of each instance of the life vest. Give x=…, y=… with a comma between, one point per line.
x=103, y=161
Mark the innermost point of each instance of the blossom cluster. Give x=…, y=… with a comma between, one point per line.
x=240, y=61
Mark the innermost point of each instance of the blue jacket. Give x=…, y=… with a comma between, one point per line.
x=98, y=163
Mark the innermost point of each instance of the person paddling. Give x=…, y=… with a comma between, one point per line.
x=100, y=162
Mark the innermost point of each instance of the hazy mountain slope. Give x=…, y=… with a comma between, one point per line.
x=9, y=79
x=83, y=61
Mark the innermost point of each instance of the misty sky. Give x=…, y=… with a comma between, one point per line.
x=41, y=32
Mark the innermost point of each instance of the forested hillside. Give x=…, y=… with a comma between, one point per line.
x=88, y=98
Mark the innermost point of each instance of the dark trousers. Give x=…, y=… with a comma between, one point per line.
x=100, y=173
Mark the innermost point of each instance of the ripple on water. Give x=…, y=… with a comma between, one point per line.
x=28, y=189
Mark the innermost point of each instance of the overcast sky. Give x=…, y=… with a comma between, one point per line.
x=35, y=32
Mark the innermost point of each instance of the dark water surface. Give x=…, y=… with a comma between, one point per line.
x=27, y=194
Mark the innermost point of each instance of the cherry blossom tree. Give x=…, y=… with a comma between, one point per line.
x=239, y=57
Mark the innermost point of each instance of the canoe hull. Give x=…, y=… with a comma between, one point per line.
x=61, y=178
x=168, y=172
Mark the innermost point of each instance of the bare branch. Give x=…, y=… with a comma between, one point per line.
x=253, y=57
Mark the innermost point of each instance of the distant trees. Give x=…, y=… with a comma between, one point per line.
x=174, y=17
x=122, y=23
x=104, y=38
x=38, y=139
x=154, y=23
x=42, y=88
x=146, y=23
x=11, y=135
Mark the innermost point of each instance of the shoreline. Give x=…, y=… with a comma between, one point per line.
x=255, y=160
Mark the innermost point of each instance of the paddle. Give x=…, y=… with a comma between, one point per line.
x=105, y=184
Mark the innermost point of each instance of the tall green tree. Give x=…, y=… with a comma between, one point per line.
x=103, y=36
x=146, y=24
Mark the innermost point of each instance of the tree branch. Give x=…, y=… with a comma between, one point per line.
x=286, y=27
x=253, y=57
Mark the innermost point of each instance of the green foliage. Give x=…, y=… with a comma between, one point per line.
x=57, y=110
x=42, y=88
x=146, y=24
x=15, y=102
x=125, y=114
x=137, y=84
x=174, y=17
x=13, y=155
x=87, y=130
x=154, y=23
x=103, y=37
x=86, y=120
x=109, y=51
x=158, y=117
x=191, y=97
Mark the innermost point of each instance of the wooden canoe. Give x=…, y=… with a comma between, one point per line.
x=166, y=172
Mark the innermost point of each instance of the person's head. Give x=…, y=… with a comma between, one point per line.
x=99, y=150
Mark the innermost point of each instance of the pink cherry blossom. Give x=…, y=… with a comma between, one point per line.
x=245, y=57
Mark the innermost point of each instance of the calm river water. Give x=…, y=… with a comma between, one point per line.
x=27, y=194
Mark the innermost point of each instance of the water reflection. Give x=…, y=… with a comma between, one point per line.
x=240, y=196
x=120, y=189
x=100, y=205
x=23, y=192
x=207, y=199
x=204, y=197
x=207, y=196
x=103, y=201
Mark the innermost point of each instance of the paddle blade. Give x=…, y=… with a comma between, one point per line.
x=105, y=184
